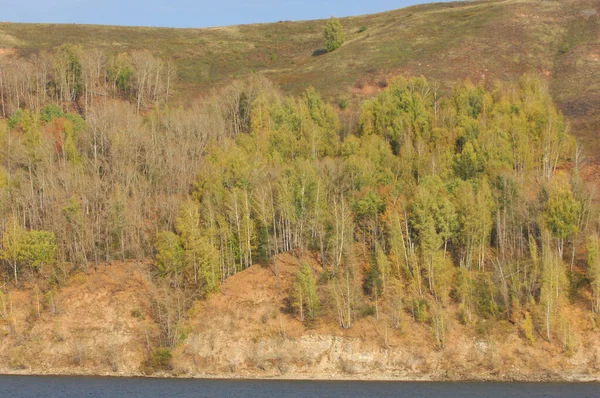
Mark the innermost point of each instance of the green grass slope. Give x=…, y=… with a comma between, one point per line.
x=478, y=40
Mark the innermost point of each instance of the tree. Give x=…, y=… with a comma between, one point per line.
x=334, y=35
x=553, y=287
x=561, y=212
x=169, y=253
x=303, y=294
x=12, y=239
x=67, y=64
x=593, y=271
x=38, y=249
x=22, y=248
x=200, y=256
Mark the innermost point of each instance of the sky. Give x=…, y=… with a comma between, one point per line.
x=187, y=13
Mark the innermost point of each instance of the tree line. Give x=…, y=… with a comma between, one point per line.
x=77, y=78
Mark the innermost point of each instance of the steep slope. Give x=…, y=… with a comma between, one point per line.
x=86, y=327
x=104, y=324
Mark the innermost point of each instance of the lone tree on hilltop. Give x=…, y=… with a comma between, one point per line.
x=334, y=35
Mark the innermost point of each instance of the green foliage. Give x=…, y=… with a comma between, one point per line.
x=120, y=72
x=51, y=112
x=16, y=118
x=77, y=122
x=334, y=35
x=22, y=248
x=433, y=215
x=69, y=70
x=487, y=297
x=199, y=256
x=160, y=360
x=38, y=248
x=303, y=294
x=553, y=288
x=561, y=211
x=527, y=328
x=169, y=253
x=362, y=29
x=420, y=310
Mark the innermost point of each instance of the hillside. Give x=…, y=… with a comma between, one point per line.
x=446, y=42
x=237, y=202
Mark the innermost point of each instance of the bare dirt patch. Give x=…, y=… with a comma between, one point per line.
x=7, y=51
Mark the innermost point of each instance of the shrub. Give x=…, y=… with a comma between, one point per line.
x=160, y=359
x=137, y=313
x=362, y=29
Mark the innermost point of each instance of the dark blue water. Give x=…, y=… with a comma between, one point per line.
x=80, y=387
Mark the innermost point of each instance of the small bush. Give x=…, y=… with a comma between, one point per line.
x=160, y=359
x=343, y=104
x=137, y=313
x=324, y=278
x=367, y=310
x=563, y=49
x=362, y=29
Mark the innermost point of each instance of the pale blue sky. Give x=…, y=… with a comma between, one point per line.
x=187, y=13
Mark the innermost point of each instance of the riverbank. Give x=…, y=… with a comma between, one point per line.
x=101, y=325
x=313, y=377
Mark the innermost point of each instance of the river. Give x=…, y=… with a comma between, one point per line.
x=100, y=387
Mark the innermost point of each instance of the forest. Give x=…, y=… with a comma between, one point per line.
x=416, y=201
